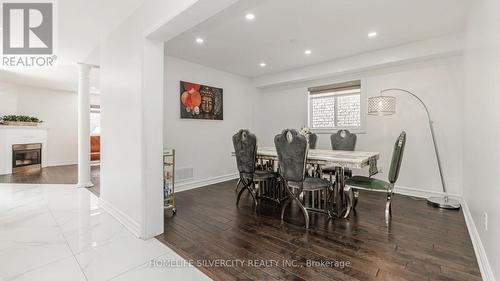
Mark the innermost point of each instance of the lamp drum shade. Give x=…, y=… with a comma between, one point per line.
x=382, y=105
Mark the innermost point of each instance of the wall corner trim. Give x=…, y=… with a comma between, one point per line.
x=482, y=258
x=123, y=218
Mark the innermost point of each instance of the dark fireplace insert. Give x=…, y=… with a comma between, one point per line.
x=26, y=157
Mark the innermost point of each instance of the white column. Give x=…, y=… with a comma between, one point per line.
x=84, y=125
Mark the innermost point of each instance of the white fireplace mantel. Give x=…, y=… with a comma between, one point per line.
x=10, y=135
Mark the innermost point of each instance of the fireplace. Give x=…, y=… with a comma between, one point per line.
x=26, y=157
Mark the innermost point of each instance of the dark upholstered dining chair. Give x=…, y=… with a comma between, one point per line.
x=342, y=140
x=313, y=139
x=292, y=149
x=245, y=148
x=371, y=184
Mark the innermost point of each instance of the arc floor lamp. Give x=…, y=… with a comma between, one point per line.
x=386, y=105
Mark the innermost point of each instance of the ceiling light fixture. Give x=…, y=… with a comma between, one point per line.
x=307, y=52
x=262, y=64
x=199, y=40
x=250, y=16
x=372, y=34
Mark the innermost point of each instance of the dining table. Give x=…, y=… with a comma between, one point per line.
x=341, y=160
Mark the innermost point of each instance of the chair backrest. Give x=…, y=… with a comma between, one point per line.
x=343, y=140
x=292, y=149
x=245, y=148
x=397, y=157
x=312, y=138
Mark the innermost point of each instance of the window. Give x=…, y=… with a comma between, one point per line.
x=337, y=106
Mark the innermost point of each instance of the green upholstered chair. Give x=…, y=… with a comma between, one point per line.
x=352, y=185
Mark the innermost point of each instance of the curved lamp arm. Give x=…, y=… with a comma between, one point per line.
x=412, y=94
x=431, y=125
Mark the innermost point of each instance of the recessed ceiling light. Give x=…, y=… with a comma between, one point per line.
x=262, y=64
x=307, y=52
x=199, y=40
x=250, y=16
x=372, y=34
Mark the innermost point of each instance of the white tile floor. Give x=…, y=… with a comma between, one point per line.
x=58, y=232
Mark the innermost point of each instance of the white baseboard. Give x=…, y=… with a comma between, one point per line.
x=61, y=163
x=421, y=193
x=482, y=258
x=123, y=218
x=187, y=185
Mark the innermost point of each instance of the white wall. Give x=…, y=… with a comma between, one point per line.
x=132, y=119
x=482, y=126
x=58, y=110
x=438, y=82
x=205, y=145
x=121, y=142
x=132, y=109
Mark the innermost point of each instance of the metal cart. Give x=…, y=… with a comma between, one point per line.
x=168, y=180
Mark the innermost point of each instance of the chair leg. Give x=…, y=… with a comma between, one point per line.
x=295, y=196
x=388, y=211
x=250, y=186
x=241, y=192
x=287, y=202
x=356, y=196
x=237, y=185
x=330, y=202
x=252, y=192
x=350, y=201
x=304, y=211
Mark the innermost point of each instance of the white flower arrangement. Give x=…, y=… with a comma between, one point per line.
x=305, y=131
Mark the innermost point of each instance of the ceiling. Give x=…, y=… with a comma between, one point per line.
x=81, y=25
x=283, y=29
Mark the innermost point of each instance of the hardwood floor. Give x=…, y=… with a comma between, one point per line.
x=67, y=174
x=421, y=242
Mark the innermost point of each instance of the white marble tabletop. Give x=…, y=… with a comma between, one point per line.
x=347, y=159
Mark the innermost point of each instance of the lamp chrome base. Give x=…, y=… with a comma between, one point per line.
x=443, y=203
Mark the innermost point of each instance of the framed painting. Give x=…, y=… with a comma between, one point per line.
x=200, y=101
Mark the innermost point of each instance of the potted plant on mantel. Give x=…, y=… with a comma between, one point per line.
x=19, y=120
